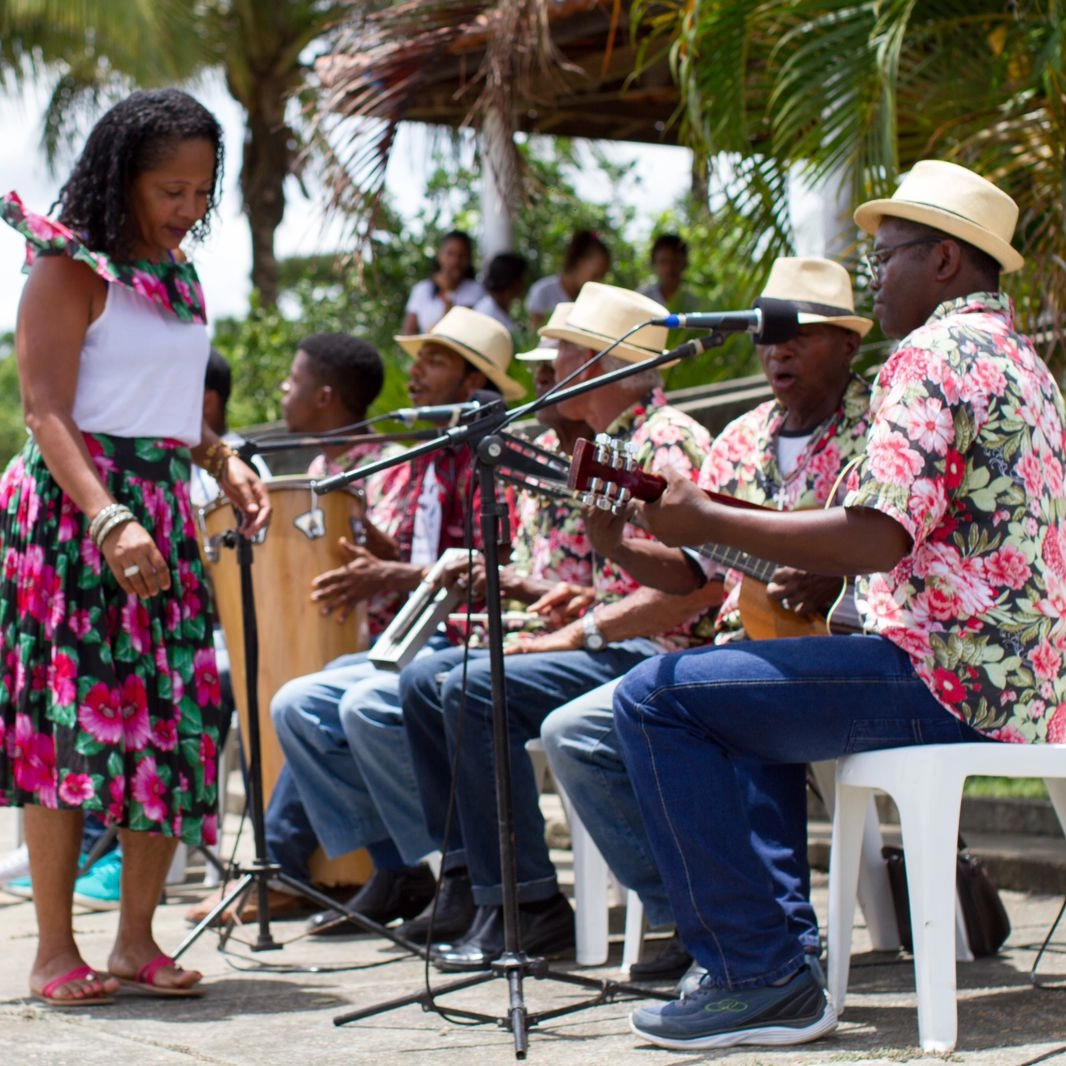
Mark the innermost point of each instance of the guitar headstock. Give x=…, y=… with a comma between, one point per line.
x=605, y=475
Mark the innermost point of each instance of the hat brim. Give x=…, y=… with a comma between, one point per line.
x=543, y=354
x=509, y=388
x=868, y=217
x=631, y=353
x=860, y=325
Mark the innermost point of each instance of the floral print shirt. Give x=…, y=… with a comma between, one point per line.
x=550, y=539
x=660, y=436
x=743, y=462
x=380, y=509
x=966, y=452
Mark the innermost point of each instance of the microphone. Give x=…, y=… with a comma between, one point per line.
x=769, y=321
x=447, y=414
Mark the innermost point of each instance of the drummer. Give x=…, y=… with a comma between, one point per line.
x=414, y=512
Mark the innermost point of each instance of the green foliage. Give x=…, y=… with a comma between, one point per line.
x=1007, y=787
x=12, y=426
x=367, y=297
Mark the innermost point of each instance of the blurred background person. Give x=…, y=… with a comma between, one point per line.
x=505, y=281
x=669, y=258
x=586, y=258
x=452, y=284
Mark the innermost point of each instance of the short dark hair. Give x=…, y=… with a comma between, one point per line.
x=582, y=244
x=218, y=376
x=136, y=135
x=351, y=367
x=671, y=241
x=505, y=270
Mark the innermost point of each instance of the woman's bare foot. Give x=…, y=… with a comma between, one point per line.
x=150, y=968
x=83, y=983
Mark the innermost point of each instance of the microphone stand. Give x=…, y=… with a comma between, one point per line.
x=493, y=450
x=261, y=870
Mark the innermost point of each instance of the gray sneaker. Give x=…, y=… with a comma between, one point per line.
x=793, y=1013
x=696, y=972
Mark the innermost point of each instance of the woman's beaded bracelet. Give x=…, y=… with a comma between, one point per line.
x=216, y=457
x=118, y=517
x=101, y=518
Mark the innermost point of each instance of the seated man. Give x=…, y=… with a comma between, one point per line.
x=785, y=454
x=957, y=515
x=425, y=508
x=332, y=381
x=625, y=625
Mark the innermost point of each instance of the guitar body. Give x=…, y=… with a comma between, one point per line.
x=607, y=477
x=765, y=619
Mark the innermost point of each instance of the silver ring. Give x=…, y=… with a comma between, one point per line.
x=131, y=570
x=784, y=603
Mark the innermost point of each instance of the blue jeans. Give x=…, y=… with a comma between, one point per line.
x=685, y=720
x=290, y=837
x=309, y=716
x=581, y=743
x=437, y=728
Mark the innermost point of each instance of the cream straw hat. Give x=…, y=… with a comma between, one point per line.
x=603, y=313
x=482, y=341
x=547, y=349
x=819, y=289
x=955, y=201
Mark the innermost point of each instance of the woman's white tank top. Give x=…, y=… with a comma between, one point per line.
x=142, y=371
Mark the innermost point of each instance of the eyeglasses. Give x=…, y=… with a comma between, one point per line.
x=876, y=261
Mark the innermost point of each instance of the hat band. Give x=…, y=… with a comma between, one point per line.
x=626, y=337
x=827, y=310
x=465, y=347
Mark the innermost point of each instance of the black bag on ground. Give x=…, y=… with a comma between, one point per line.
x=983, y=913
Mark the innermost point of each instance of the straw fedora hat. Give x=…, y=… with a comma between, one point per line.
x=603, y=313
x=482, y=341
x=819, y=289
x=546, y=349
x=956, y=201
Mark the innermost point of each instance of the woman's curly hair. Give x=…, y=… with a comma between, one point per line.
x=136, y=135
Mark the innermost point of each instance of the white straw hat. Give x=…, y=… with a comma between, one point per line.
x=819, y=289
x=603, y=313
x=955, y=201
x=482, y=341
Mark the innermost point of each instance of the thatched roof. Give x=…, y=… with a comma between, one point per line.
x=558, y=67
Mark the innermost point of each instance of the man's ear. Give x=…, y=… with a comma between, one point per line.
x=323, y=396
x=949, y=259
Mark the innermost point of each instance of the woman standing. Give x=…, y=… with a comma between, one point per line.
x=451, y=285
x=109, y=693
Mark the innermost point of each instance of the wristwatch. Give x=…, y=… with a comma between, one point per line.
x=594, y=640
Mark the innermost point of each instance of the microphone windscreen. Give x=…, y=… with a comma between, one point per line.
x=780, y=320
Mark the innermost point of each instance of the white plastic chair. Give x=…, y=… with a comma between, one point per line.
x=591, y=885
x=926, y=784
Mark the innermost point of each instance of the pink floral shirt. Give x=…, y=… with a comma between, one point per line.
x=661, y=436
x=966, y=452
x=743, y=463
x=380, y=509
x=550, y=540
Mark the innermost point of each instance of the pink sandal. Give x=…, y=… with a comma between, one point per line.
x=79, y=973
x=144, y=982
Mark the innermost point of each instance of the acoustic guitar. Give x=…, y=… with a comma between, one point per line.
x=605, y=474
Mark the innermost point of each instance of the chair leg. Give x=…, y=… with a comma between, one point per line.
x=930, y=844
x=590, y=891
x=634, y=931
x=849, y=821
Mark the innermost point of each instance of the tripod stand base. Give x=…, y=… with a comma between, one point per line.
x=512, y=968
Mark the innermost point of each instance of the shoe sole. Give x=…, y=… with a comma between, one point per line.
x=96, y=904
x=769, y=1036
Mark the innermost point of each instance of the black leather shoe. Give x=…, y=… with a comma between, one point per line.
x=453, y=917
x=389, y=894
x=545, y=929
x=670, y=964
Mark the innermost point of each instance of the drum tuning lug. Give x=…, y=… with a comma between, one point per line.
x=311, y=524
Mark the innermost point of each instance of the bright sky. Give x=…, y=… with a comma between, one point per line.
x=223, y=261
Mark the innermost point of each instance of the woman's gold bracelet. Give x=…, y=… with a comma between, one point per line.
x=216, y=457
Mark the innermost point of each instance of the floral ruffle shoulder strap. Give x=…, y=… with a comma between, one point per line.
x=172, y=285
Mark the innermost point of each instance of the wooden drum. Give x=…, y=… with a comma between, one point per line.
x=295, y=638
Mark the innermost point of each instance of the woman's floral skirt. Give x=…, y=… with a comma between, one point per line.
x=108, y=703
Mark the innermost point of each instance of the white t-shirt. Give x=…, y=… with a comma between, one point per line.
x=789, y=450
x=428, y=520
x=544, y=294
x=428, y=306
